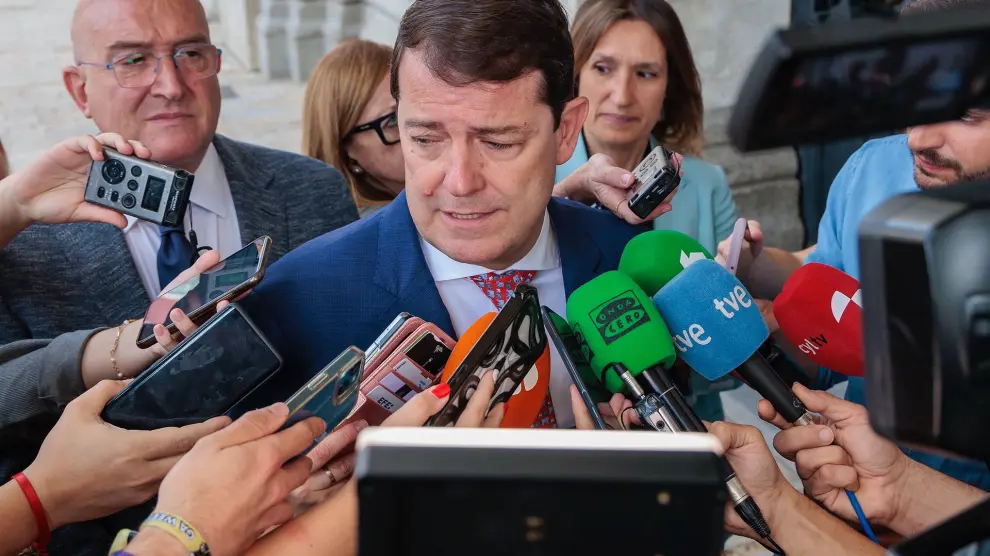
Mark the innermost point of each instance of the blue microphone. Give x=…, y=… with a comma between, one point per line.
x=718, y=328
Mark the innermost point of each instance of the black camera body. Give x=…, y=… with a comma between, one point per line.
x=925, y=260
x=141, y=188
x=656, y=178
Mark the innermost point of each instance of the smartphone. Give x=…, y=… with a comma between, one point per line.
x=208, y=373
x=566, y=343
x=332, y=394
x=396, y=330
x=510, y=346
x=415, y=365
x=735, y=245
x=198, y=297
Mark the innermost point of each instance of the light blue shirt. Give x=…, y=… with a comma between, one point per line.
x=879, y=170
x=704, y=210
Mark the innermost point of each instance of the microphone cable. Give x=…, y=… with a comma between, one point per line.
x=663, y=409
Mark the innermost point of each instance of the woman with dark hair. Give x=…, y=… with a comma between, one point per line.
x=634, y=65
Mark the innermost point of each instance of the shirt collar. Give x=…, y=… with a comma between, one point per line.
x=209, y=192
x=543, y=256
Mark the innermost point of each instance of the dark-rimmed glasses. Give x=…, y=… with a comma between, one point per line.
x=137, y=70
x=387, y=128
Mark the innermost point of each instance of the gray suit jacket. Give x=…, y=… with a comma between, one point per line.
x=56, y=281
x=62, y=278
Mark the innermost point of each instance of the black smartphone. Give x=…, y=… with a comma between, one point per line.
x=567, y=345
x=199, y=296
x=210, y=371
x=332, y=394
x=510, y=347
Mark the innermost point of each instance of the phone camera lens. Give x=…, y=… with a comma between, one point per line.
x=347, y=381
x=114, y=171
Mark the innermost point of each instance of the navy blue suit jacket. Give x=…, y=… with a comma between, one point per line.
x=345, y=287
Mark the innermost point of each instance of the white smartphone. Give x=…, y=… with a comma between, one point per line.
x=735, y=245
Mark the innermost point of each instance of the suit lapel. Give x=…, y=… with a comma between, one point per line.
x=580, y=255
x=102, y=264
x=259, y=208
x=402, y=269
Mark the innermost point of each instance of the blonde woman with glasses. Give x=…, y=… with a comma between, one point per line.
x=349, y=122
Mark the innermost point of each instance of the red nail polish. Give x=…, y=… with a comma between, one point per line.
x=441, y=391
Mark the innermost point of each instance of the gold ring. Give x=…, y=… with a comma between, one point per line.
x=329, y=472
x=617, y=205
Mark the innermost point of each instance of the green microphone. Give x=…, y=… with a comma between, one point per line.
x=617, y=324
x=652, y=259
x=630, y=349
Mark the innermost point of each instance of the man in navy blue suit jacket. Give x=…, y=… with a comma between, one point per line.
x=486, y=111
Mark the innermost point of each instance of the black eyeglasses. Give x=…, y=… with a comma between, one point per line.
x=387, y=128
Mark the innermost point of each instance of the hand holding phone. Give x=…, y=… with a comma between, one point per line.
x=510, y=347
x=212, y=370
x=199, y=296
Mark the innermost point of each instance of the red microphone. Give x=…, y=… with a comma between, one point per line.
x=820, y=310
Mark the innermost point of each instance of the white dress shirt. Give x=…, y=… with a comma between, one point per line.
x=466, y=302
x=211, y=213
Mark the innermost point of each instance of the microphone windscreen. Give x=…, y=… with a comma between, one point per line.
x=820, y=310
x=615, y=322
x=524, y=406
x=715, y=322
x=652, y=259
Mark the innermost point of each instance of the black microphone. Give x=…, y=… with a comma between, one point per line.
x=788, y=371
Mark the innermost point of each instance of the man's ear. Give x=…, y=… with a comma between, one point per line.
x=75, y=83
x=569, y=131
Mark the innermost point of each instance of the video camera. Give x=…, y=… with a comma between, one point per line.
x=925, y=256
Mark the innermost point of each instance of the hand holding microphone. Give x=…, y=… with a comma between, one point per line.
x=842, y=452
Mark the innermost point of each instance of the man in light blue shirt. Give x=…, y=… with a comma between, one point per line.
x=928, y=156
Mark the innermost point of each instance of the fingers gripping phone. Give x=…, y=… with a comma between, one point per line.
x=510, y=347
x=199, y=296
x=208, y=373
x=567, y=345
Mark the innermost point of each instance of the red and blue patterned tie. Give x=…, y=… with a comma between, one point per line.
x=499, y=288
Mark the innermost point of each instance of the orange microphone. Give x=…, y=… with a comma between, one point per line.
x=524, y=406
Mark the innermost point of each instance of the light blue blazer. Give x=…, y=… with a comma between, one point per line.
x=703, y=206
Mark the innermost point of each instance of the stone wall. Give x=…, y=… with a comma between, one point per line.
x=283, y=39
